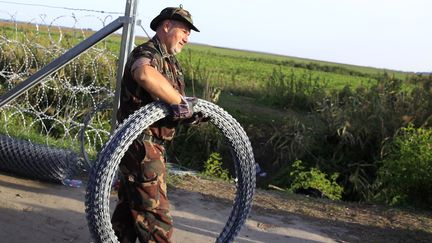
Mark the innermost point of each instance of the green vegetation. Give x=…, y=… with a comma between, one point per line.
x=313, y=178
x=12, y=125
x=337, y=119
x=309, y=64
x=405, y=177
x=213, y=167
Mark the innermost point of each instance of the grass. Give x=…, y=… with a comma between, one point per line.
x=244, y=73
x=249, y=111
x=234, y=70
x=243, y=76
x=286, y=60
x=14, y=128
x=270, y=94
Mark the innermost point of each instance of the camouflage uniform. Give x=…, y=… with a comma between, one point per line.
x=143, y=208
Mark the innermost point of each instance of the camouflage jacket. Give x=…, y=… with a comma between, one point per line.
x=134, y=96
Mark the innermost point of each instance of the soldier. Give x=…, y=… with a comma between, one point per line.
x=152, y=72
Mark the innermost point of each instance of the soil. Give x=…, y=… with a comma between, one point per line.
x=34, y=211
x=339, y=221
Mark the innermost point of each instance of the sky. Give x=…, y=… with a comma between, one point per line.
x=391, y=34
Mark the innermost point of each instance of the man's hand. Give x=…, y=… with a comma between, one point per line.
x=184, y=109
x=196, y=119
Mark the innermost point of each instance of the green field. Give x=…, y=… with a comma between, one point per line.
x=243, y=70
x=337, y=119
x=230, y=69
x=286, y=60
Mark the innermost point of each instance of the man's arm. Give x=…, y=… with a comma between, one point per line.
x=159, y=87
x=155, y=83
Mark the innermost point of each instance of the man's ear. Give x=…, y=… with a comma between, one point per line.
x=166, y=25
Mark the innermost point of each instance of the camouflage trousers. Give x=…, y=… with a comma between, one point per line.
x=143, y=208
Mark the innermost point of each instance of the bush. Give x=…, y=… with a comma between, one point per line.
x=405, y=177
x=315, y=179
x=213, y=167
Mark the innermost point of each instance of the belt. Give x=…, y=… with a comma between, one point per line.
x=146, y=137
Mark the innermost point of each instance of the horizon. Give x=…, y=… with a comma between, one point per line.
x=386, y=35
x=236, y=49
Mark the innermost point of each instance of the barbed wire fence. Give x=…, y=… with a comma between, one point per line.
x=54, y=111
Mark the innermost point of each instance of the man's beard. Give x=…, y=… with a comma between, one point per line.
x=175, y=50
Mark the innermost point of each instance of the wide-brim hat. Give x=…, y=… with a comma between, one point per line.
x=176, y=14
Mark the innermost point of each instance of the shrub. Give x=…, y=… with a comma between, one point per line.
x=315, y=179
x=405, y=177
x=213, y=167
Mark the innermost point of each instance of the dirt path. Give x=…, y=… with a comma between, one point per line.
x=32, y=211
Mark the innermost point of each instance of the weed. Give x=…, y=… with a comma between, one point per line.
x=314, y=179
x=213, y=167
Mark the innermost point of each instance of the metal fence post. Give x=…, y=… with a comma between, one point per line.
x=127, y=44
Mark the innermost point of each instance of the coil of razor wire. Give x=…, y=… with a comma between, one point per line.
x=55, y=108
x=103, y=170
x=36, y=161
x=86, y=122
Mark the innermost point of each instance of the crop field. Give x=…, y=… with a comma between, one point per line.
x=233, y=70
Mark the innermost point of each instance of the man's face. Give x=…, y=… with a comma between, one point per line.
x=177, y=36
